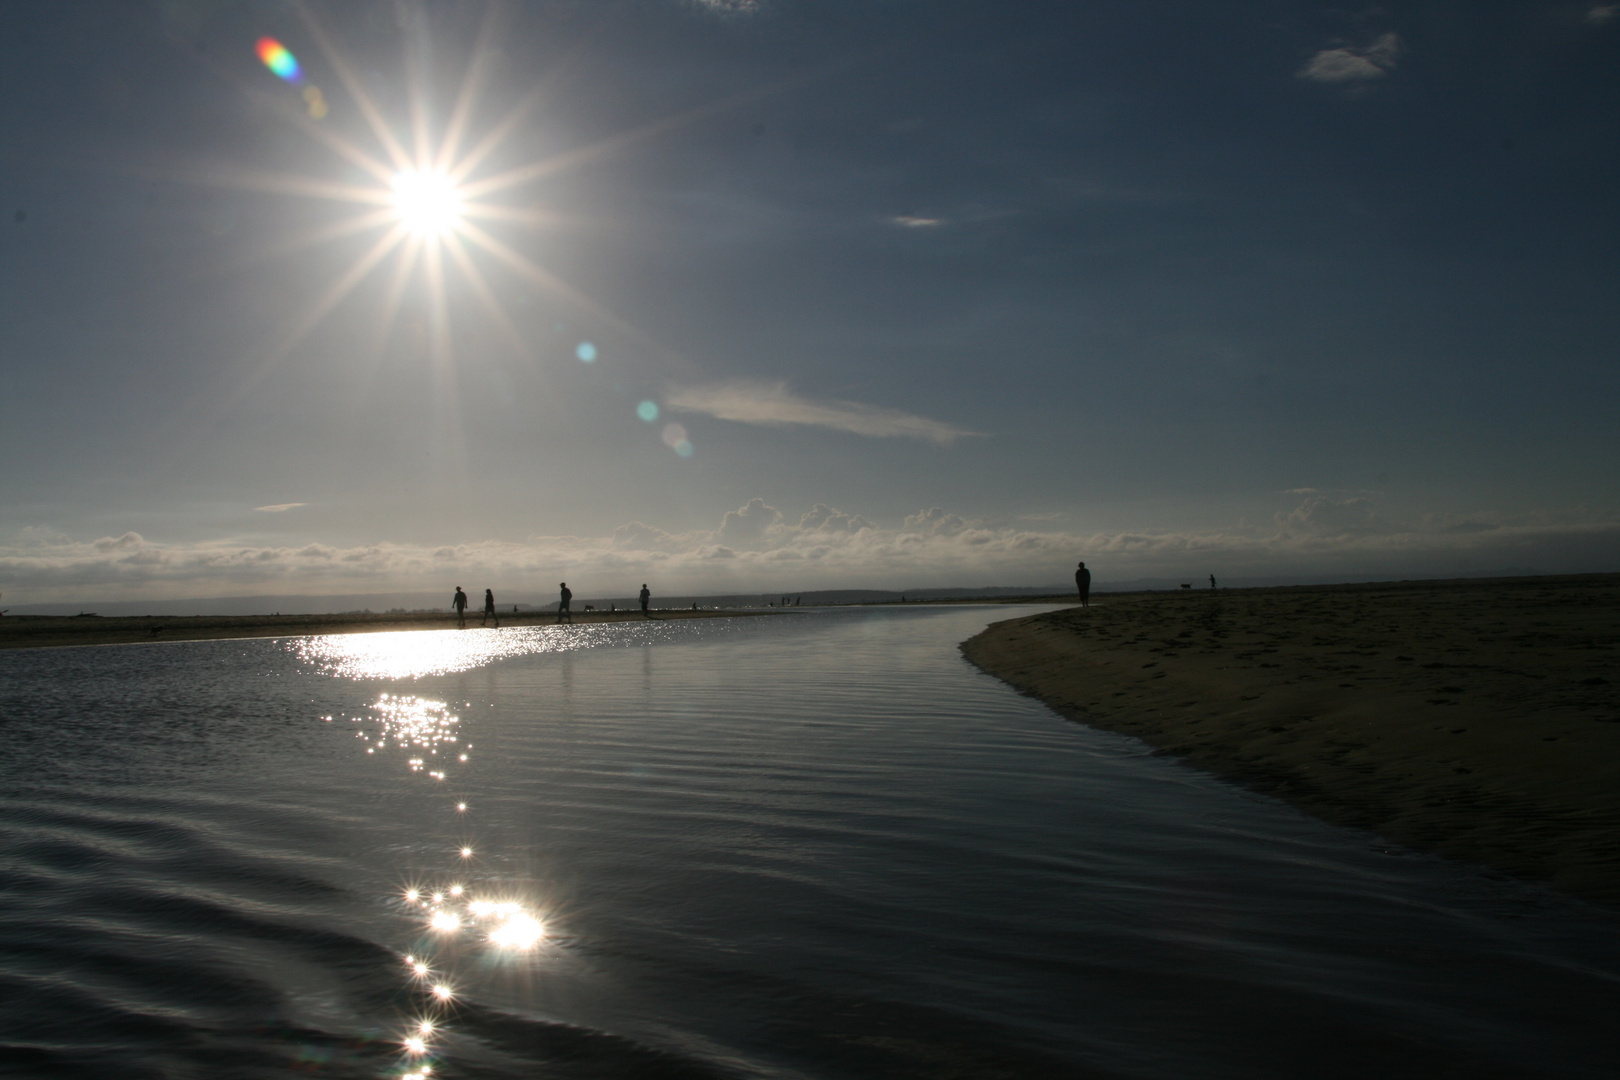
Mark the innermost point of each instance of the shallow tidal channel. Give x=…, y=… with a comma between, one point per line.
x=818, y=844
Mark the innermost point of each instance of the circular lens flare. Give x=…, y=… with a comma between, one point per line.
x=427, y=202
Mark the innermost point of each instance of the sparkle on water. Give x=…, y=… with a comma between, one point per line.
x=428, y=732
x=412, y=654
x=419, y=725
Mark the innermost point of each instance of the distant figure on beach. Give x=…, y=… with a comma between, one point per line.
x=1082, y=582
x=1212, y=581
x=459, y=602
x=489, y=610
x=562, y=604
x=645, y=596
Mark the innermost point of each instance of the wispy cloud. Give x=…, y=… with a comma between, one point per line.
x=1346, y=64
x=909, y=221
x=774, y=405
x=730, y=7
x=277, y=508
x=1599, y=14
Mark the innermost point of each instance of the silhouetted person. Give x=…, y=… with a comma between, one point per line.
x=459, y=602
x=1212, y=581
x=489, y=610
x=645, y=596
x=1082, y=582
x=562, y=604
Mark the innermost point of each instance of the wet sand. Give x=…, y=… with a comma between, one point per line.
x=25, y=631
x=1478, y=719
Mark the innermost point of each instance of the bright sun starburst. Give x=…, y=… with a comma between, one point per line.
x=428, y=203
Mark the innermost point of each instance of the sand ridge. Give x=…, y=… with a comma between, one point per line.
x=1479, y=719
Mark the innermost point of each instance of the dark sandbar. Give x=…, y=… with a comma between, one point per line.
x=1478, y=719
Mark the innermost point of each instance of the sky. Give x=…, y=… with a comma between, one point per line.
x=787, y=295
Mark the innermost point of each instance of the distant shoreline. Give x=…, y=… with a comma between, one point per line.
x=1477, y=719
x=56, y=631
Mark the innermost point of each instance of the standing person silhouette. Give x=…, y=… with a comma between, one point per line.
x=645, y=596
x=562, y=604
x=1212, y=581
x=1082, y=582
x=489, y=609
x=459, y=602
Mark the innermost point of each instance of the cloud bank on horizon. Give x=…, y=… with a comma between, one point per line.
x=759, y=548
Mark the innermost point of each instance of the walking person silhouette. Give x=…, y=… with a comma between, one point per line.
x=645, y=596
x=1082, y=582
x=459, y=602
x=562, y=604
x=489, y=609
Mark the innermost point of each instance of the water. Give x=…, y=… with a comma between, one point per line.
x=810, y=845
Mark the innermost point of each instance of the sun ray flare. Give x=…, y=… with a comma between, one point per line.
x=351, y=83
x=334, y=294
x=462, y=110
x=492, y=304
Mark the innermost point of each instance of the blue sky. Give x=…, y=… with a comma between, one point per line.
x=937, y=294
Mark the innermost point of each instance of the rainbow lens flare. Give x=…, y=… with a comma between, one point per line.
x=278, y=59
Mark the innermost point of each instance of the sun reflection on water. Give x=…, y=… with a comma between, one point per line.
x=413, y=654
x=420, y=726
x=460, y=926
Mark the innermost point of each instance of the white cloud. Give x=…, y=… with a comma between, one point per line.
x=935, y=522
x=277, y=508
x=823, y=518
x=1599, y=14
x=907, y=221
x=1321, y=516
x=1350, y=65
x=638, y=537
x=130, y=541
x=747, y=526
x=757, y=548
x=774, y=405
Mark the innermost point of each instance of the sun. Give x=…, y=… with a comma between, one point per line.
x=432, y=204
x=427, y=202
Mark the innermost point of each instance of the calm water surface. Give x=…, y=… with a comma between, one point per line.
x=811, y=845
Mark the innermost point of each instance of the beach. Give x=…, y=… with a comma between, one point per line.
x=1476, y=719
x=42, y=631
